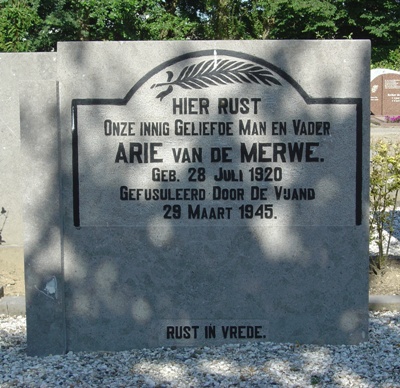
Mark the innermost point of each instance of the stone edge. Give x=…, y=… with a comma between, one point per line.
x=12, y=305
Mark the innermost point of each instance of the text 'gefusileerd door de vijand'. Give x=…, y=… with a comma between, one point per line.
x=232, y=141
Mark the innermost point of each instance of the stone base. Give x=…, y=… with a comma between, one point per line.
x=13, y=306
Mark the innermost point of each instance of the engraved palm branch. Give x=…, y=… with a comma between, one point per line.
x=219, y=72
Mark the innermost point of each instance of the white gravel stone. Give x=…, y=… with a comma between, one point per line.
x=375, y=363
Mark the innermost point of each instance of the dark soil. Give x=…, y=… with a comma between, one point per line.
x=387, y=281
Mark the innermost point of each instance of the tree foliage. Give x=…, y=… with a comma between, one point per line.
x=18, y=21
x=37, y=25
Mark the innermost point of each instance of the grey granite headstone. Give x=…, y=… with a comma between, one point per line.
x=43, y=222
x=212, y=192
x=14, y=68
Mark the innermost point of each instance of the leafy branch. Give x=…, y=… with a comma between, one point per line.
x=217, y=72
x=384, y=192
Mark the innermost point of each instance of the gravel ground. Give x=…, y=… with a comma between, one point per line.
x=375, y=363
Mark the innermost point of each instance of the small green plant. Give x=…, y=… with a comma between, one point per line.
x=384, y=190
x=315, y=379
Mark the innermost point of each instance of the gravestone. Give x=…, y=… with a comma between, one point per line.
x=14, y=68
x=385, y=94
x=198, y=193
